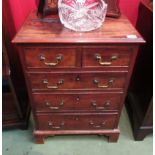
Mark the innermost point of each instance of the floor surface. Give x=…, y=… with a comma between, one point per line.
x=20, y=142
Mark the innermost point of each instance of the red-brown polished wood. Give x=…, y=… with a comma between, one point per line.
x=78, y=81
x=69, y=95
x=49, y=102
x=77, y=121
x=37, y=30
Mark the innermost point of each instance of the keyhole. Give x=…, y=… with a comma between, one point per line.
x=77, y=98
x=76, y=118
x=78, y=78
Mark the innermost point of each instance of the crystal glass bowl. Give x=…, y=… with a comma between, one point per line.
x=82, y=15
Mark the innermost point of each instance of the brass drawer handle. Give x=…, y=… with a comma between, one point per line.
x=60, y=82
x=54, y=108
x=106, y=105
x=97, y=126
x=110, y=82
x=100, y=60
x=50, y=124
x=58, y=59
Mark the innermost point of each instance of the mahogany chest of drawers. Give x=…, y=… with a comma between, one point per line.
x=77, y=82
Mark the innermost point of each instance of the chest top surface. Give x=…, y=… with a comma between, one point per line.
x=36, y=30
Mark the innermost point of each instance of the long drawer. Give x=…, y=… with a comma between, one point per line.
x=79, y=81
x=77, y=102
x=76, y=121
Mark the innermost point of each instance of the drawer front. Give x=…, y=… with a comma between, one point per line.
x=50, y=58
x=106, y=57
x=76, y=102
x=77, y=121
x=90, y=81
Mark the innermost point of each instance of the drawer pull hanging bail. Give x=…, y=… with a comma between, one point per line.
x=110, y=82
x=106, y=105
x=58, y=59
x=60, y=82
x=50, y=124
x=97, y=126
x=55, y=108
x=100, y=60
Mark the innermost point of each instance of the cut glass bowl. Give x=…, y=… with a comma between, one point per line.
x=82, y=15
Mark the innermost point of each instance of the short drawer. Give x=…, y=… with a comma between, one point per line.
x=76, y=121
x=73, y=81
x=50, y=58
x=77, y=102
x=106, y=57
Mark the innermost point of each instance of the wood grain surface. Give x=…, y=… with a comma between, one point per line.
x=50, y=30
